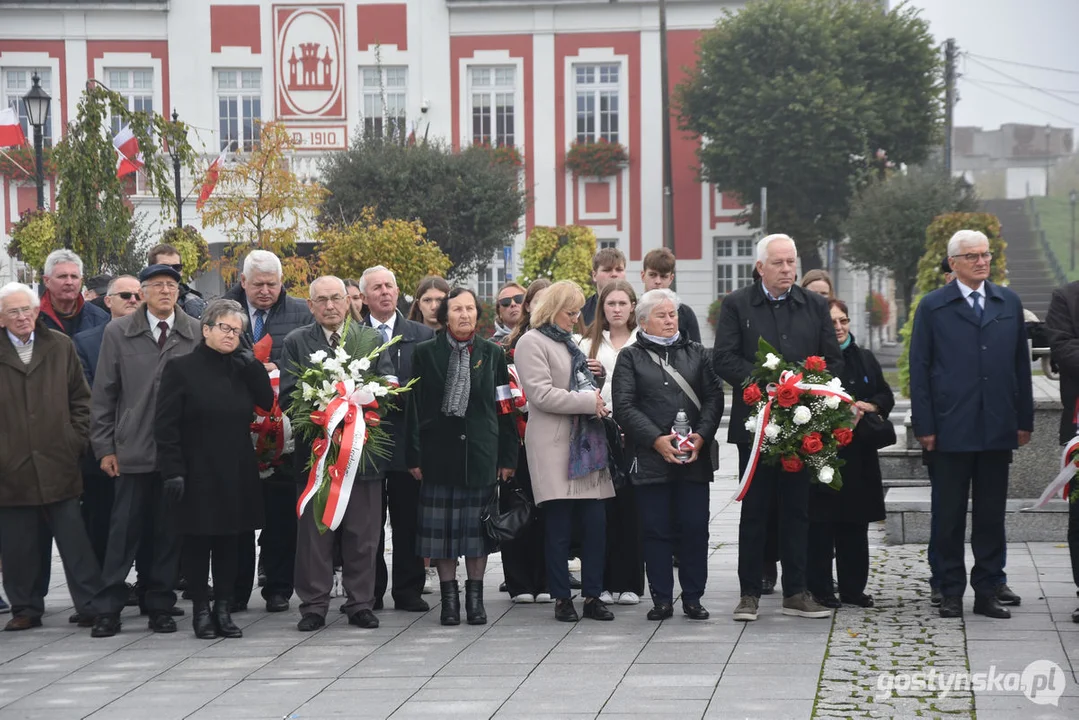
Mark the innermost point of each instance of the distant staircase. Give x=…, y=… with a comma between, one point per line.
x=1030, y=271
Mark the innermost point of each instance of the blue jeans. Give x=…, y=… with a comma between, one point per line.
x=558, y=519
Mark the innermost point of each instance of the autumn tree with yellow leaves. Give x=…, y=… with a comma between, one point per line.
x=259, y=202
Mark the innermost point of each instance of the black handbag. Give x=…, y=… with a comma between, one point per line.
x=616, y=453
x=875, y=430
x=504, y=517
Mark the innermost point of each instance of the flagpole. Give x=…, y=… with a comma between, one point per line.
x=4, y=153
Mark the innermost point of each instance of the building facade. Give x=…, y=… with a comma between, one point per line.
x=537, y=75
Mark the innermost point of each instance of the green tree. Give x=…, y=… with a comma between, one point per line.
x=810, y=98
x=888, y=219
x=560, y=253
x=93, y=215
x=470, y=202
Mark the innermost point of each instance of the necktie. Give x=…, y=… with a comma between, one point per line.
x=385, y=330
x=260, y=318
x=164, y=328
x=335, y=338
x=975, y=298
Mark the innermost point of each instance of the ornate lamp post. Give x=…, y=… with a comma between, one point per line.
x=174, y=153
x=37, y=112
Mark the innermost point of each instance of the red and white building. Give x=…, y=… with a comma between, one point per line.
x=537, y=74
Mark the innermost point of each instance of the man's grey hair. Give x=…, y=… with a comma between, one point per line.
x=17, y=287
x=965, y=237
x=262, y=261
x=221, y=307
x=766, y=241
x=653, y=299
x=112, y=283
x=372, y=271
x=316, y=281
x=57, y=257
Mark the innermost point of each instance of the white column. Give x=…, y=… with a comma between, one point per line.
x=545, y=156
x=650, y=152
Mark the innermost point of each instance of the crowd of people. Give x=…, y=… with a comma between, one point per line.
x=127, y=440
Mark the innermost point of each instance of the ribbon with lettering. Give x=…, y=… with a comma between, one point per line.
x=787, y=381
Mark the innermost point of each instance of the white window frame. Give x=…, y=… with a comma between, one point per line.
x=384, y=98
x=735, y=260
x=596, y=84
x=495, y=86
x=242, y=89
x=490, y=278
x=136, y=98
x=12, y=96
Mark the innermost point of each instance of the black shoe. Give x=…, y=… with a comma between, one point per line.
x=502, y=587
x=861, y=600
x=990, y=606
x=310, y=622
x=201, y=621
x=276, y=603
x=828, y=600
x=363, y=618
x=1006, y=596
x=661, y=611
x=596, y=609
x=951, y=607
x=223, y=619
x=451, y=602
x=411, y=604
x=564, y=610
x=162, y=623
x=106, y=626
x=236, y=606
x=1075, y=615
x=935, y=596
x=695, y=611
x=769, y=579
x=574, y=582
x=83, y=621
x=379, y=604
x=172, y=611
x=474, y=610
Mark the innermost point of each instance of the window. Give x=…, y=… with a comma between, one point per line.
x=384, y=92
x=608, y=243
x=239, y=108
x=597, y=102
x=137, y=89
x=493, y=92
x=734, y=264
x=16, y=83
x=490, y=279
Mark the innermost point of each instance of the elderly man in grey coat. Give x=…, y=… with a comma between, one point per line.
x=133, y=353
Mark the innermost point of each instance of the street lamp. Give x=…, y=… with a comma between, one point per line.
x=174, y=152
x=1073, y=196
x=37, y=112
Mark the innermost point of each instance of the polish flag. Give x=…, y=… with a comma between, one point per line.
x=127, y=146
x=210, y=181
x=11, y=134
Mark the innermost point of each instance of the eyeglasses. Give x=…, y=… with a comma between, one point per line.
x=573, y=313
x=507, y=301
x=841, y=321
x=170, y=287
x=228, y=329
x=975, y=257
x=19, y=312
x=178, y=267
x=322, y=299
x=126, y=295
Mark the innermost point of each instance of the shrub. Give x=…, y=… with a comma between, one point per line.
x=194, y=250
x=560, y=253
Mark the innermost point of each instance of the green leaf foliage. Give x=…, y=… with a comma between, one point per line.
x=800, y=95
x=469, y=201
x=560, y=253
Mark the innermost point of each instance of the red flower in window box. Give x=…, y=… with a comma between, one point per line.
x=596, y=159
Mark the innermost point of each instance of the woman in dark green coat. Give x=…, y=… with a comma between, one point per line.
x=461, y=441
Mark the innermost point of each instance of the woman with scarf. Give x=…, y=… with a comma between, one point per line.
x=655, y=379
x=461, y=441
x=567, y=446
x=839, y=519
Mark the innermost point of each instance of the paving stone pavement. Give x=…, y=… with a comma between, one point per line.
x=523, y=664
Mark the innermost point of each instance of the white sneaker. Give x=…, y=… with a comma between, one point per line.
x=431, y=581
x=575, y=565
x=544, y=598
x=524, y=598
x=606, y=597
x=629, y=598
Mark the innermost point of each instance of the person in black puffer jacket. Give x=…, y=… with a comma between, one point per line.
x=670, y=492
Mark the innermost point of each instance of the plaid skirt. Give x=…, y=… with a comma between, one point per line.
x=449, y=521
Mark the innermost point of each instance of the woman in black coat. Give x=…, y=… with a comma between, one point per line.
x=839, y=519
x=205, y=405
x=672, y=493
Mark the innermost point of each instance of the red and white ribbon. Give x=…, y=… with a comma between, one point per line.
x=1060, y=486
x=786, y=379
x=271, y=429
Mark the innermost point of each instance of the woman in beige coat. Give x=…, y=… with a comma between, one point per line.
x=567, y=448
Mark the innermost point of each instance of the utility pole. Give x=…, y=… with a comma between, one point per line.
x=949, y=100
x=668, y=183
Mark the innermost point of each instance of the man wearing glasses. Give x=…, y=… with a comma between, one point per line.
x=510, y=304
x=971, y=406
x=133, y=352
x=190, y=301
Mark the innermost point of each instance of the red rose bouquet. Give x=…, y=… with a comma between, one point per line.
x=800, y=422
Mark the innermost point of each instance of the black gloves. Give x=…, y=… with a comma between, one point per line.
x=173, y=489
x=243, y=357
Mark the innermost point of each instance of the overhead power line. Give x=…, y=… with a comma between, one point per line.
x=1024, y=103
x=1022, y=64
x=1022, y=87
x=1023, y=82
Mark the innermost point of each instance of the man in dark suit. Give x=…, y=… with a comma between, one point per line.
x=797, y=323
x=360, y=525
x=401, y=493
x=1062, y=322
x=272, y=313
x=971, y=406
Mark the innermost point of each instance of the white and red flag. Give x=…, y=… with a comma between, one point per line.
x=11, y=134
x=210, y=181
x=127, y=146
